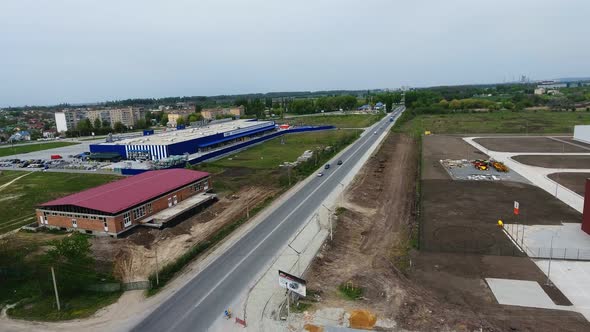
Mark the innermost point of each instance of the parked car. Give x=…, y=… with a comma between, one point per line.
x=327, y=166
x=320, y=174
x=56, y=156
x=339, y=162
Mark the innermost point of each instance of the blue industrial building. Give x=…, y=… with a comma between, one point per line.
x=192, y=141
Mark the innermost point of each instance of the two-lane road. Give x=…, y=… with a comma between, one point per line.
x=202, y=300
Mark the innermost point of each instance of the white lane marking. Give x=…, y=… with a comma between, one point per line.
x=263, y=240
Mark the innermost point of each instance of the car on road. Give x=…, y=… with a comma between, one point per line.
x=375, y=133
x=320, y=174
x=339, y=162
x=327, y=166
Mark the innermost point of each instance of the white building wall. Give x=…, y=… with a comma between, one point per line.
x=60, y=122
x=582, y=134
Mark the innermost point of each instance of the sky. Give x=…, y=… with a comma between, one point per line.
x=74, y=51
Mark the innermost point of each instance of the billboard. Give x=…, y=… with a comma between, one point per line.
x=292, y=283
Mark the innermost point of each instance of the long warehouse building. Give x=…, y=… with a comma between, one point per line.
x=186, y=141
x=152, y=199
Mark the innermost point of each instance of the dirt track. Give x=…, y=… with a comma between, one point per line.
x=558, y=161
x=528, y=144
x=573, y=181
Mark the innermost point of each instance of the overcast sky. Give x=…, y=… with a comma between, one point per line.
x=56, y=51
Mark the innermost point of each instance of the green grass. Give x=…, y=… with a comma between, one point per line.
x=272, y=153
x=45, y=308
x=340, y=121
x=350, y=292
x=18, y=200
x=501, y=122
x=259, y=165
x=18, y=149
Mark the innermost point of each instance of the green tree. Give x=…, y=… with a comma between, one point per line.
x=97, y=124
x=193, y=117
x=141, y=124
x=84, y=127
x=72, y=260
x=164, y=120
x=106, y=124
x=118, y=127
x=180, y=121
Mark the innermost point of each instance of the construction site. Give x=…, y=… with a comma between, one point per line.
x=418, y=248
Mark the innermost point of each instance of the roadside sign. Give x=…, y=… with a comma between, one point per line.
x=516, y=208
x=292, y=283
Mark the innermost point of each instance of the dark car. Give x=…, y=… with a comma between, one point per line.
x=327, y=166
x=339, y=162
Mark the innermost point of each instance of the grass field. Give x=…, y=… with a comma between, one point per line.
x=340, y=121
x=18, y=199
x=259, y=165
x=540, y=122
x=18, y=149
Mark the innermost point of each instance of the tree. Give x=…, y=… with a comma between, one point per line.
x=141, y=124
x=97, y=124
x=84, y=127
x=164, y=120
x=180, y=121
x=73, y=263
x=106, y=124
x=118, y=127
x=193, y=117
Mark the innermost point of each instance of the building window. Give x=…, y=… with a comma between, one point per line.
x=169, y=201
x=139, y=212
x=74, y=223
x=127, y=219
x=149, y=207
x=106, y=226
x=175, y=200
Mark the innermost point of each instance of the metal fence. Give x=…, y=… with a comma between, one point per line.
x=578, y=254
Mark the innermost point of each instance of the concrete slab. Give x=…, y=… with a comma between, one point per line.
x=569, y=241
x=521, y=293
x=572, y=279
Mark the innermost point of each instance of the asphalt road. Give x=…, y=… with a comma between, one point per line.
x=201, y=301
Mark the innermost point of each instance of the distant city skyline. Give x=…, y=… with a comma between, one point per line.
x=67, y=51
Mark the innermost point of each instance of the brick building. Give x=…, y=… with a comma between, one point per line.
x=152, y=199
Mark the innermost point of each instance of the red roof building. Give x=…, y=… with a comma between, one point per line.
x=151, y=198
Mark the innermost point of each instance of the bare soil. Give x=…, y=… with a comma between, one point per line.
x=372, y=233
x=442, y=286
x=557, y=161
x=527, y=144
x=573, y=181
x=437, y=147
x=135, y=255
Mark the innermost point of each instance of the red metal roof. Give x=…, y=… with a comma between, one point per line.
x=120, y=195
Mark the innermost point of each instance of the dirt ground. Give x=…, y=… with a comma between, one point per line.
x=573, y=181
x=558, y=161
x=528, y=144
x=445, y=147
x=442, y=286
x=136, y=254
x=372, y=230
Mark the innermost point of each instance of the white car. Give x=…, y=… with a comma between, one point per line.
x=320, y=174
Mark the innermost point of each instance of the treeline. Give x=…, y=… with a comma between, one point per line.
x=335, y=103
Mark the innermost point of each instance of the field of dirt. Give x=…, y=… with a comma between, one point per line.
x=135, y=255
x=573, y=181
x=527, y=144
x=558, y=161
x=442, y=286
x=372, y=233
x=437, y=147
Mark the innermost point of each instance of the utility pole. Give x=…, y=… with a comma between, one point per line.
x=157, y=268
x=298, y=259
x=549, y=267
x=55, y=288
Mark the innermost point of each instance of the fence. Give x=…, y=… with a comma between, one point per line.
x=577, y=254
x=115, y=286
